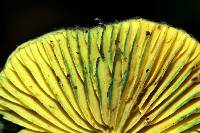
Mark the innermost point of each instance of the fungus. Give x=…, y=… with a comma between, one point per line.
x=130, y=76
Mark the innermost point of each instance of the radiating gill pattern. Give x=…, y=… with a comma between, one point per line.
x=127, y=77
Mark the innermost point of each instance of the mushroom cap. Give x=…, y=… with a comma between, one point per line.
x=130, y=76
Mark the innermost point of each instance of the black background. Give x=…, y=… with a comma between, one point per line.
x=21, y=21
x=26, y=20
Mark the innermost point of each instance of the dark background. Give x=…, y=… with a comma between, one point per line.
x=26, y=20
x=21, y=21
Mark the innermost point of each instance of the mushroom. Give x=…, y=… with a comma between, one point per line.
x=130, y=76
